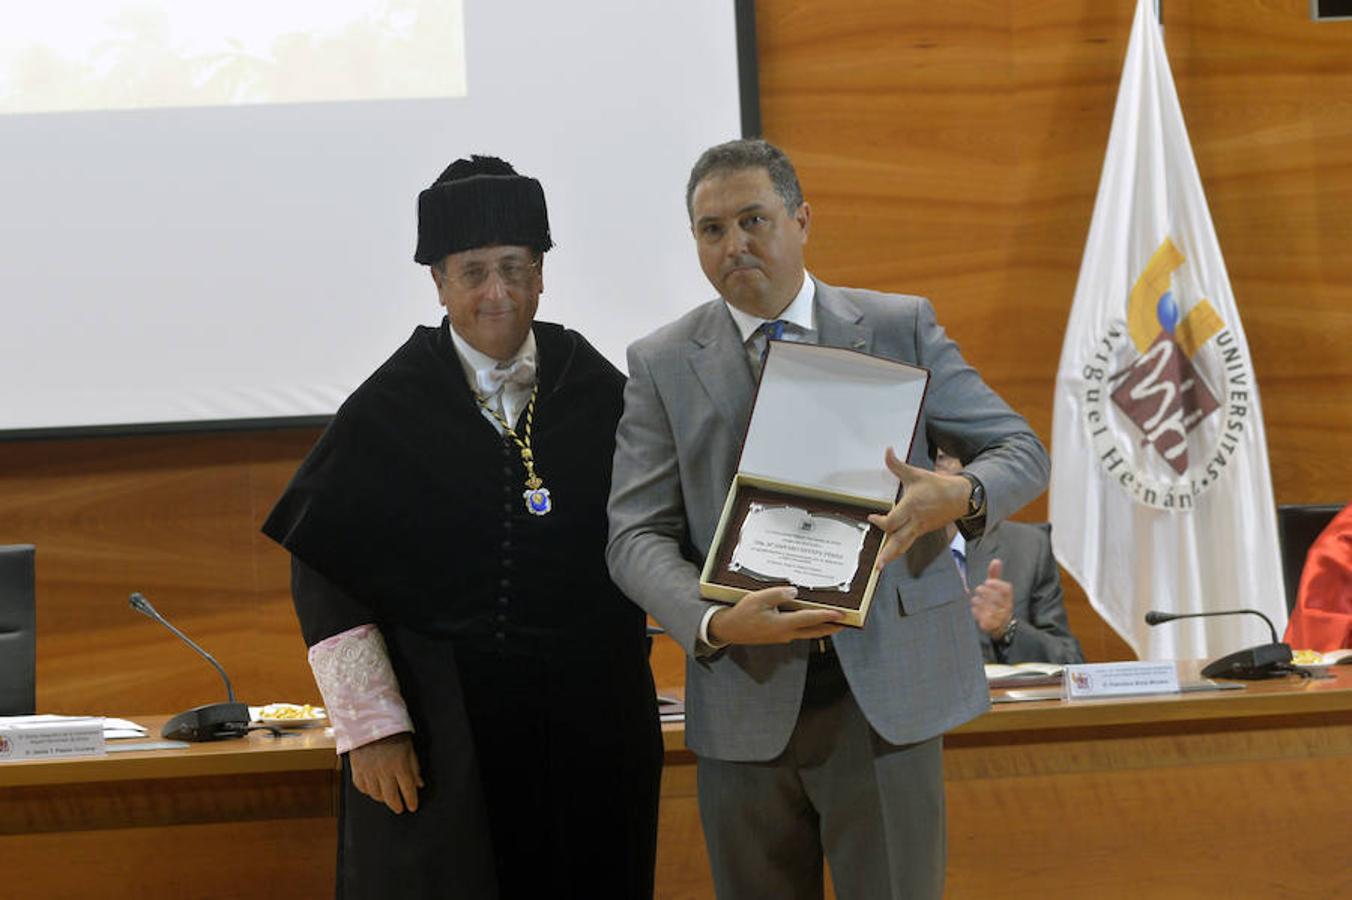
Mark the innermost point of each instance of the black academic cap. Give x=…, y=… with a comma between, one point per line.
x=479, y=202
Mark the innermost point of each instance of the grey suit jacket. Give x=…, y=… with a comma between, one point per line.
x=915, y=668
x=1025, y=553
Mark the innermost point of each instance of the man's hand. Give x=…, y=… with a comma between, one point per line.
x=929, y=501
x=756, y=619
x=387, y=771
x=993, y=602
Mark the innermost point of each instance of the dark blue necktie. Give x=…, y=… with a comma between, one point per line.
x=773, y=331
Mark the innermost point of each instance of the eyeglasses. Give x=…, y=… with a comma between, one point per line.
x=513, y=272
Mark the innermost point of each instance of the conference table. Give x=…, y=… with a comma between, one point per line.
x=1243, y=793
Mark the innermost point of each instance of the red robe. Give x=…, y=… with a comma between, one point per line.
x=1322, y=619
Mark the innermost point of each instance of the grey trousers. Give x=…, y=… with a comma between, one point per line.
x=875, y=810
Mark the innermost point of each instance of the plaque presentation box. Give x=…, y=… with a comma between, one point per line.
x=822, y=420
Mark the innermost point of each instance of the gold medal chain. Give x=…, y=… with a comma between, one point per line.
x=533, y=481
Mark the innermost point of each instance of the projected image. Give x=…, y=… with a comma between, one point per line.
x=208, y=209
x=133, y=54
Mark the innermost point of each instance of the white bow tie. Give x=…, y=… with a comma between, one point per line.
x=518, y=371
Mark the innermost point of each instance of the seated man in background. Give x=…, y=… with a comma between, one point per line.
x=487, y=682
x=1018, y=608
x=1322, y=619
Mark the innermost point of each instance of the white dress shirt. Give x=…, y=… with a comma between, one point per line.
x=799, y=317
x=958, y=548
x=512, y=397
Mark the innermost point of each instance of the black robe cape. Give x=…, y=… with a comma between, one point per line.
x=516, y=654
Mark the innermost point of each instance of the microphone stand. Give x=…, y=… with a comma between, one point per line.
x=213, y=721
x=1252, y=664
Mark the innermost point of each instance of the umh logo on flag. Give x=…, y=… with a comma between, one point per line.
x=1161, y=496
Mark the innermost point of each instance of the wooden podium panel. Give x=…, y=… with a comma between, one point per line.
x=247, y=818
x=1202, y=795
x=1237, y=793
x=1222, y=794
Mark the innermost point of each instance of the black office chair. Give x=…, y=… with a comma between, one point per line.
x=1298, y=524
x=18, y=632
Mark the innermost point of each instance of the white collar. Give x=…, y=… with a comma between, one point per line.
x=473, y=361
x=799, y=312
x=959, y=543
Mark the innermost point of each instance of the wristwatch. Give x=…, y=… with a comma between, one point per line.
x=1007, y=637
x=976, y=500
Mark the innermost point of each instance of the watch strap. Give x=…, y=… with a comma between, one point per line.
x=976, y=500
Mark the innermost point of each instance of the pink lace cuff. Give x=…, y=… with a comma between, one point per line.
x=359, y=687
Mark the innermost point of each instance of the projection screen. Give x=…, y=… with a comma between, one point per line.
x=208, y=215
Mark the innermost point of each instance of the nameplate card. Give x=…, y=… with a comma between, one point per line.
x=49, y=737
x=1118, y=679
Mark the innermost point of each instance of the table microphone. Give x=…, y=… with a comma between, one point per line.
x=203, y=723
x=1264, y=661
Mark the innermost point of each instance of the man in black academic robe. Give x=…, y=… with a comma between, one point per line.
x=452, y=520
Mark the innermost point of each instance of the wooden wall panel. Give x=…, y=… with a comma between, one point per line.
x=175, y=517
x=948, y=149
x=888, y=110
x=1268, y=93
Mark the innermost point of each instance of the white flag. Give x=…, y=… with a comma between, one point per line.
x=1161, y=496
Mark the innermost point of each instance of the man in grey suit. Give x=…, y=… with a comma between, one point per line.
x=811, y=739
x=1018, y=606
